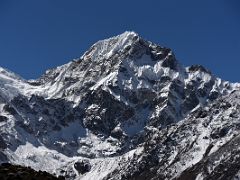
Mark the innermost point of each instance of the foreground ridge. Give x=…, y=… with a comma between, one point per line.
x=126, y=109
x=8, y=171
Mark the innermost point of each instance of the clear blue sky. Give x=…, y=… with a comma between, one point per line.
x=37, y=35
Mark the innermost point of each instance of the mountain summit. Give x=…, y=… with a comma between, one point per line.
x=126, y=109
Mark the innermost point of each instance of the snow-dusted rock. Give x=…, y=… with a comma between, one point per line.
x=126, y=109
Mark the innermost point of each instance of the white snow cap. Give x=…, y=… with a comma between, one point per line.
x=127, y=35
x=107, y=47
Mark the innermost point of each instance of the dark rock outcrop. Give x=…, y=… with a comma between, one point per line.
x=15, y=172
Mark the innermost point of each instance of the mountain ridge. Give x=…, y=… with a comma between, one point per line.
x=106, y=114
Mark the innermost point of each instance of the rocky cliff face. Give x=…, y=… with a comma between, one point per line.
x=126, y=109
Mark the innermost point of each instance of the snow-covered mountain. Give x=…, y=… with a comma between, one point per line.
x=126, y=109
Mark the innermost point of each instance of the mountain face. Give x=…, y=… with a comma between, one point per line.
x=126, y=109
